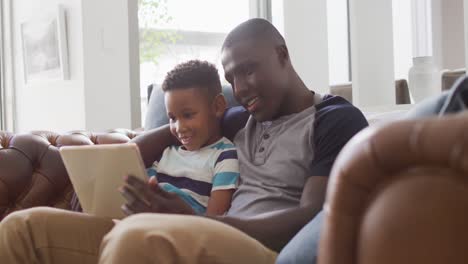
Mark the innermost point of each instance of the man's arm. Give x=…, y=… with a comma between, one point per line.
x=153, y=143
x=336, y=121
x=333, y=128
x=275, y=229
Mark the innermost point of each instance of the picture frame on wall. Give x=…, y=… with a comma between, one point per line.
x=44, y=43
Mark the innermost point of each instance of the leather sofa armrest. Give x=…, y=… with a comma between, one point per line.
x=398, y=194
x=31, y=169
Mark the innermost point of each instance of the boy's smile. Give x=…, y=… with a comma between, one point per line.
x=193, y=117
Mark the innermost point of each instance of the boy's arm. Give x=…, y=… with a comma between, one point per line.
x=219, y=202
x=225, y=181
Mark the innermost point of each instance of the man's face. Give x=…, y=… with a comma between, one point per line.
x=192, y=117
x=257, y=77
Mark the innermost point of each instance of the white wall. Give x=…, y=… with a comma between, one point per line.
x=338, y=50
x=465, y=12
x=111, y=78
x=372, y=52
x=453, y=34
x=402, y=38
x=436, y=12
x=305, y=31
x=56, y=105
x=103, y=90
x=448, y=33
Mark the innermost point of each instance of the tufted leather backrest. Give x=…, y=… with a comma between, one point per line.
x=398, y=193
x=31, y=169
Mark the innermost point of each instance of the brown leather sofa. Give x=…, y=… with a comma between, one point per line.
x=32, y=172
x=449, y=77
x=398, y=193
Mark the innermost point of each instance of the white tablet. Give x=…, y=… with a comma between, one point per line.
x=97, y=171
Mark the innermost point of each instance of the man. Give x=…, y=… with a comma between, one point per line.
x=285, y=150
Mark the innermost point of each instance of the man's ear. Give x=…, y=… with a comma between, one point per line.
x=283, y=54
x=219, y=105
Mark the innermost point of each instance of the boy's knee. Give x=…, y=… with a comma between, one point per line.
x=130, y=239
x=127, y=230
x=11, y=225
x=15, y=224
x=19, y=222
x=32, y=215
x=135, y=231
x=151, y=224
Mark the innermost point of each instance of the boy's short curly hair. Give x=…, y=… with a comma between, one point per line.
x=193, y=74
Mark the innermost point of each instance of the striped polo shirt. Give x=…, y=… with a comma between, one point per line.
x=193, y=175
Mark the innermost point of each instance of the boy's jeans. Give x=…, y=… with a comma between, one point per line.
x=303, y=247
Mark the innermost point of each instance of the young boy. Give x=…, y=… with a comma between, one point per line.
x=204, y=170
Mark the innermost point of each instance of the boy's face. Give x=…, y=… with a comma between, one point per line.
x=194, y=117
x=257, y=77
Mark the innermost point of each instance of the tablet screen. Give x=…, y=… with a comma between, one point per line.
x=97, y=171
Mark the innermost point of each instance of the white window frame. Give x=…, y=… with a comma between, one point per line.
x=7, y=89
x=260, y=9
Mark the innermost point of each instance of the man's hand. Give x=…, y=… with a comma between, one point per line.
x=148, y=197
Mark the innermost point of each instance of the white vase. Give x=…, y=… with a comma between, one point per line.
x=424, y=79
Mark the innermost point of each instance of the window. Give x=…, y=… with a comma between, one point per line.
x=277, y=15
x=188, y=30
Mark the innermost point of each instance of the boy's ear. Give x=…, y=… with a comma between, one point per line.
x=219, y=105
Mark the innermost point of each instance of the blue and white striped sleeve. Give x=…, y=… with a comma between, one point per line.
x=226, y=171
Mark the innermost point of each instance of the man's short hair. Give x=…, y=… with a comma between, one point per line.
x=254, y=29
x=193, y=74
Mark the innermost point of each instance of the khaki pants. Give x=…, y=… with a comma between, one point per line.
x=47, y=235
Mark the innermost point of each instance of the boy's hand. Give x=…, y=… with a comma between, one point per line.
x=152, y=182
x=148, y=197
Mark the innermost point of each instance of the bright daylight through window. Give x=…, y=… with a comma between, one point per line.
x=174, y=31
